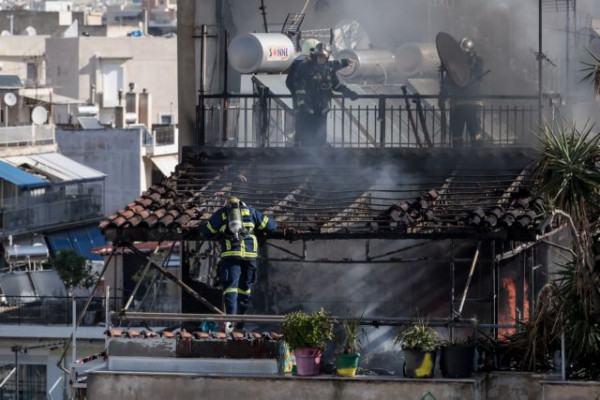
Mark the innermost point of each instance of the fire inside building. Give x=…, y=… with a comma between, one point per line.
x=415, y=205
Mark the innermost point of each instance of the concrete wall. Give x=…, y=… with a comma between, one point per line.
x=47, y=356
x=570, y=390
x=150, y=386
x=151, y=63
x=62, y=60
x=17, y=51
x=117, y=153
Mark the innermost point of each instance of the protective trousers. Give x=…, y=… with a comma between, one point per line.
x=311, y=129
x=469, y=115
x=238, y=276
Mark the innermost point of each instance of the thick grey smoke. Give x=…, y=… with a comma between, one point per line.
x=505, y=32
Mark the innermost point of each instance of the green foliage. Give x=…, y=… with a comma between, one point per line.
x=568, y=176
x=579, y=312
x=418, y=336
x=567, y=171
x=301, y=330
x=353, y=335
x=72, y=269
x=592, y=72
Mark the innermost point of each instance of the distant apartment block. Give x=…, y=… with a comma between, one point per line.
x=103, y=70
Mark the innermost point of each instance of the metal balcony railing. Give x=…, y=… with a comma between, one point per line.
x=49, y=310
x=162, y=140
x=412, y=120
x=36, y=214
x=27, y=135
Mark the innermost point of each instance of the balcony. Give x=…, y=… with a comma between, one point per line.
x=374, y=120
x=50, y=209
x=49, y=310
x=162, y=140
x=26, y=135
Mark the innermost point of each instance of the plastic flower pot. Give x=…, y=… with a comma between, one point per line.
x=419, y=364
x=346, y=364
x=308, y=362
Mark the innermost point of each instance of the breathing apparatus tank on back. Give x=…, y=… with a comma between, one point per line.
x=235, y=226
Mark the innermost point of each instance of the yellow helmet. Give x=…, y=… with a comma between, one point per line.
x=308, y=46
x=233, y=200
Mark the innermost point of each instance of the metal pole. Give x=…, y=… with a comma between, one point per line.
x=178, y=282
x=204, y=34
x=563, y=358
x=539, y=56
x=106, y=314
x=16, y=350
x=452, y=283
x=473, y=264
x=85, y=306
x=567, y=46
x=74, y=334
x=142, y=276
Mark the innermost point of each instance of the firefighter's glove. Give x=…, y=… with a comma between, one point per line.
x=351, y=94
x=289, y=233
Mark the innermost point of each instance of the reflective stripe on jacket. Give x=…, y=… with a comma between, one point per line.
x=246, y=247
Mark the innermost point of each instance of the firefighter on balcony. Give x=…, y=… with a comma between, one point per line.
x=235, y=225
x=465, y=107
x=315, y=82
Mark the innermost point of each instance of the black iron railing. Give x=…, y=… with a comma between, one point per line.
x=267, y=120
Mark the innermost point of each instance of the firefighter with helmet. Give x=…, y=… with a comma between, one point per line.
x=236, y=225
x=465, y=106
x=314, y=84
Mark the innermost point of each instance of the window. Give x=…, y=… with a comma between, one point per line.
x=32, y=382
x=112, y=78
x=166, y=119
x=32, y=74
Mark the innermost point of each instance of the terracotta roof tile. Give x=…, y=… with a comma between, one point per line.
x=351, y=193
x=237, y=335
x=201, y=335
x=114, y=332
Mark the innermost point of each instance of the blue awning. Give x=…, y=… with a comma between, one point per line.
x=20, y=177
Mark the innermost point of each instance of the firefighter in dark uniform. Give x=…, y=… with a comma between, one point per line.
x=316, y=80
x=465, y=109
x=308, y=47
x=235, y=225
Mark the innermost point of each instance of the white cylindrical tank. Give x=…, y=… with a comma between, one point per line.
x=261, y=52
x=367, y=63
x=417, y=59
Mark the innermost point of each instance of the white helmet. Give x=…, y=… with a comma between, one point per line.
x=467, y=45
x=308, y=46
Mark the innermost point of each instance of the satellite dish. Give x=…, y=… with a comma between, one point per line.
x=30, y=31
x=453, y=59
x=10, y=99
x=39, y=115
x=5, y=33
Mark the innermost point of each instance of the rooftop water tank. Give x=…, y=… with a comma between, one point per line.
x=417, y=59
x=367, y=63
x=261, y=52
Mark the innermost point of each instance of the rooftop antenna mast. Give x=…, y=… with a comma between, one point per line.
x=263, y=10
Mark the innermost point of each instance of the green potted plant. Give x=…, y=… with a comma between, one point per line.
x=307, y=335
x=350, y=341
x=457, y=355
x=419, y=343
